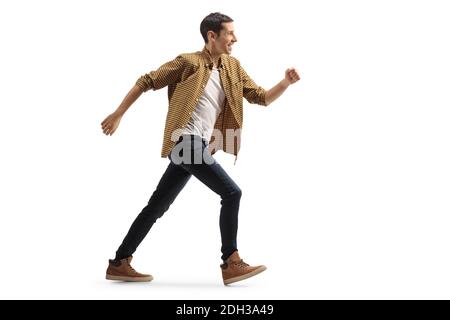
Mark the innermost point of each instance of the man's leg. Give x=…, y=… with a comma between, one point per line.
x=170, y=185
x=209, y=172
x=215, y=177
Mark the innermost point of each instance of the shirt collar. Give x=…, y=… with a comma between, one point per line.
x=209, y=62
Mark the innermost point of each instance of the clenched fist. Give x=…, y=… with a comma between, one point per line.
x=292, y=75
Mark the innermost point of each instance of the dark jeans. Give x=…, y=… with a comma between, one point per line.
x=172, y=182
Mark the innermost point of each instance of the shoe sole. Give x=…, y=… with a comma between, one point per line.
x=129, y=279
x=245, y=276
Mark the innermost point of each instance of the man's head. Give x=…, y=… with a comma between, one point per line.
x=218, y=32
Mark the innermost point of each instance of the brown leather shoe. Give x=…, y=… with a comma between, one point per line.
x=122, y=270
x=235, y=269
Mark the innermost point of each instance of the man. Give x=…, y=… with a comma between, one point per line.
x=206, y=90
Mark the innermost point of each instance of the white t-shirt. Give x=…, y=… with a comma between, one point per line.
x=208, y=108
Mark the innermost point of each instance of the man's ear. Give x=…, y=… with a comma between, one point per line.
x=213, y=35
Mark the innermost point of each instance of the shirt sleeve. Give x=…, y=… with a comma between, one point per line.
x=169, y=73
x=252, y=92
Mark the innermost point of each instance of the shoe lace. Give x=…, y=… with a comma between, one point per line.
x=132, y=269
x=241, y=264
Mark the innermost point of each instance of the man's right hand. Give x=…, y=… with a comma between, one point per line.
x=111, y=122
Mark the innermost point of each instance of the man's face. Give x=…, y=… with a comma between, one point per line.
x=224, y=42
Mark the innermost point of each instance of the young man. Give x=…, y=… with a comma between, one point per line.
x=206, y=90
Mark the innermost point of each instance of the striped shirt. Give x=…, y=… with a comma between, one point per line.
x=186, y=77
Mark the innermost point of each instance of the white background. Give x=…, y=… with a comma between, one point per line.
x=345, y=177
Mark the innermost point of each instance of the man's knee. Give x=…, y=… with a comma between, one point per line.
x=234, y=194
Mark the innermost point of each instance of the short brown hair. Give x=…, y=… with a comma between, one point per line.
x=213, y=22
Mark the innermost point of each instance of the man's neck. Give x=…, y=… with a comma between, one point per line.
x=214, y=56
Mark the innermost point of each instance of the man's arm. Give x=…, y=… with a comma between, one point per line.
x=251, y=91
x=291, y=76
x=256, y=94
x=170, y=72
x=111, y=122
